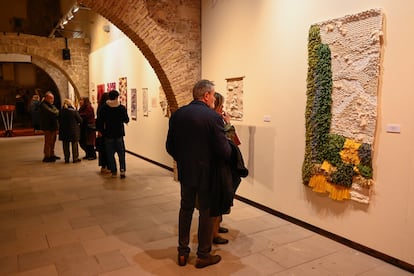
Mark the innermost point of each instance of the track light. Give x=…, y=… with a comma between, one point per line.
x=70, y=15
x=66, y=18
x=75, y=8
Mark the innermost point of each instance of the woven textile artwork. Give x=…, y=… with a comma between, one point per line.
x=341, y=110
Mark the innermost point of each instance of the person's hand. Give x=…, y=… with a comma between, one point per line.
x=226, y=117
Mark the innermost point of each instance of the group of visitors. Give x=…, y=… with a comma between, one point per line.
x=80, y=128
x=200, y=139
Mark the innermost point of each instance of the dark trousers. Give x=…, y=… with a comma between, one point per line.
x=100, y=147
x=66, y=151
x=205, y=222
x=49, y=146
x=112, y=146
x=88, y=149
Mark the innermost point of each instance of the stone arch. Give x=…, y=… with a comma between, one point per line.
x=48, y=52
x=169, y=36
x=57, y=76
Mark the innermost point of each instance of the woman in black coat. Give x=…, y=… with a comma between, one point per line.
x=69, y=130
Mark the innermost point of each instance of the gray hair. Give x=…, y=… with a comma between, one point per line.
x=201, y=88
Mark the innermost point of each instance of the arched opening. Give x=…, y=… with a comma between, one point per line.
x=169, y=36
x=19, y=81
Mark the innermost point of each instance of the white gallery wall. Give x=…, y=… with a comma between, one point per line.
x=265, y=41
x=116, y=57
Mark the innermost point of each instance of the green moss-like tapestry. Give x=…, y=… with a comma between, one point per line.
x=341, y=107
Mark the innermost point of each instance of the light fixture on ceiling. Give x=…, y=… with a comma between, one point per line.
x=67, y=17
x=70, y=15
x=75, y=8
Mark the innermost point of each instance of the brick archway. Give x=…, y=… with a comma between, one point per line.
x=55, y=74
x=48, y=52
x=169, y=35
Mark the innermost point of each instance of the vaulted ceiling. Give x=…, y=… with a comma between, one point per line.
x=44, y=18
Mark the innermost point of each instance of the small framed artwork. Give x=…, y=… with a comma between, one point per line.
x=145, y=101
x=134, y=110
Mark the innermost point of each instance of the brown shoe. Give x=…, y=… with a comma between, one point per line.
x=182, y=260
x=210, y=260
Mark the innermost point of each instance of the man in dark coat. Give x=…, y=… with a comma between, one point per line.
x=195, y=140
x=69, y=130
x=49, y=124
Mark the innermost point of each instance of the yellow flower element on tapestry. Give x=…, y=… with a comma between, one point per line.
x=320, y=184
x=349, y=152
x=328, y=167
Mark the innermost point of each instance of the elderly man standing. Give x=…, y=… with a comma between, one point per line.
x=49, y=124
x=195, y=140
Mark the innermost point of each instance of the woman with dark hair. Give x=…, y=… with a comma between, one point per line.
x=88, y=131
x=100, y=139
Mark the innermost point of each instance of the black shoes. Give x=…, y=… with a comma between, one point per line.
x=77, y=160
x=223, y=230
x=56, y=157
x=49, y=159
x=220, y=240
x=210, y=260
x=89, y=157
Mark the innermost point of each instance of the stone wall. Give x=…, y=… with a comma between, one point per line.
x=47, y=54
x=167, y=32
x=169, y=35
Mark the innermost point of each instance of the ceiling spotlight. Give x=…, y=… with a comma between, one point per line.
x=64, y=21
x=70, y=15
x=75, y=8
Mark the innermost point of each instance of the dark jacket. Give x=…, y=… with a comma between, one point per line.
x=111, y=119
x=35, y=113
x=48, y=116
x=196, y=140
x=88, y=132
x=238, y=169
x=69, y=124
x=226, y=179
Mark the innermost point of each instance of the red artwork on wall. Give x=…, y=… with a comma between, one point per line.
x=100, y=88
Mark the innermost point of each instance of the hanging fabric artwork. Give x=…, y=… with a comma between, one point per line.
x=341, y=108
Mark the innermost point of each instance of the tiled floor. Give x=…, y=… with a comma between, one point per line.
x=67, y=219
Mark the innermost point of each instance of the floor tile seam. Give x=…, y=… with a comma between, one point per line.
x=284, y=244
x=278, y=243
x=334, y=271
x=313, y=260
x=78, y=237
x=270, y=259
